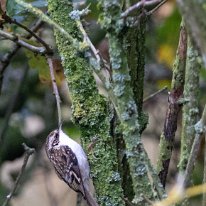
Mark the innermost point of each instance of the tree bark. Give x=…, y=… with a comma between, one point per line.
x=90, y=110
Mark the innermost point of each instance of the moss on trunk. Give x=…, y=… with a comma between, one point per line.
x=90, y=110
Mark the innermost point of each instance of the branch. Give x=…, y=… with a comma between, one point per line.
x=100, y=62
x=90, y=110
x=156, y=8
x=170, y=124
x=127, y=110
x=190, y=109
x=75, y=43
x=28, y=152
x=154, y=94
x=7, y=57
x=40, y=40
x=88, y=41
x=55, y=89
x=39, y=50
x=98, y=65
x=142, y=4
x=200, y=128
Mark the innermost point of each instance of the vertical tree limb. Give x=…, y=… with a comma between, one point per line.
x=90, y=110
x=135, y=42
x=139, y=164
x=170, y=124
x=190, y=109
x=55, y=89
x=200, y=128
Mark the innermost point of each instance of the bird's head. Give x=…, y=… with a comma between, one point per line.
x=52, y=139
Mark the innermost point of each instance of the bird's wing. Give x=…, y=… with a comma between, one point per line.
x=68, y=169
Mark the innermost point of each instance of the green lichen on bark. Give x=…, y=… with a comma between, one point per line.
x=90, y=110
x=164, y=155
x=165, y=146
x=178, y=78
x=139, y=163
x=135, y=50
x=134, y=41
x=190, y=109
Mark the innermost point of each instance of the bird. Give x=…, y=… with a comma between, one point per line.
x=70, y=163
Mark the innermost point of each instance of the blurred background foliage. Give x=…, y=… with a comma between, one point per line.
x=27, y=105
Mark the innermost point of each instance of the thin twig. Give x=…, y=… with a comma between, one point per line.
x=55, y=89
x=28, y=152
x=156, y=8
x=140, y=5
x=75, y=43
x=200, y=128
x=40, y=40
x=100, y=62
x=7, y=57
x=5, y=60
x=88, y=41
x=154, y=94
x=39, y=50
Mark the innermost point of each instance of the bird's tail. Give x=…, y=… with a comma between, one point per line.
x=91, y=201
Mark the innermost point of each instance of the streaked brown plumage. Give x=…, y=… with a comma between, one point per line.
x=70, y=163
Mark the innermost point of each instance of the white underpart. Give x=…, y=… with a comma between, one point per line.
x=78, y=151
